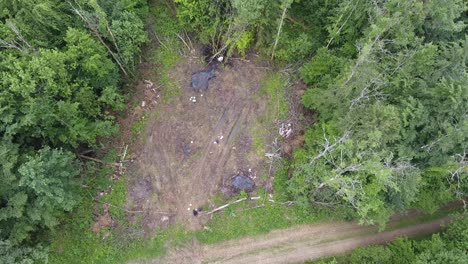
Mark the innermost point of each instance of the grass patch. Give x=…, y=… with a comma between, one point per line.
x=117, y=198
x=167, y=58
x=272, y=91
x=258, y=141
x=280, y=184
x=239, y=220
x=277, y=107
x=140, y=125
x=77, y=244
x=156, y=247
x=167, y=54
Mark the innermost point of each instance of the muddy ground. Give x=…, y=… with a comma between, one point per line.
x=190, y=151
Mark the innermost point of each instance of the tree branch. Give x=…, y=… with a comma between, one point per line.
x=279, y=32
x=328, y=148
x=95, y=31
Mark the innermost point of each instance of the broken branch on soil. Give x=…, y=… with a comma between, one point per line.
x=124, y=153
x=241, y=59
x=224, y=206
x=160, y=42
x=273, y=155
x=98, y=160
x=287, y=203
x=186, y=45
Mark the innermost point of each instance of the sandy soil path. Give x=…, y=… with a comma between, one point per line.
x=300, y=243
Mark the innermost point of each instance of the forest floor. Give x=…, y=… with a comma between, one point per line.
x=301, y=243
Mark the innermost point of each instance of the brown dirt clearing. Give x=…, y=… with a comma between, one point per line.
x=179, y=166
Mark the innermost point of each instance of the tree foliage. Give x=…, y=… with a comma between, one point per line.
x=392, y=130
x=227, y=24
x=10, y=254
x=59, y=85
x=36, y=188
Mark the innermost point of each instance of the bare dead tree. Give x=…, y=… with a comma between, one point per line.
x=279, y=31
x=428, y=147
x=344, y=23
x=20, y=44
x=11, y=45
x=366, y=52
x=461, y=170
x=371, y=90
x=94, y=29
x=328, y=147
x=340, y=172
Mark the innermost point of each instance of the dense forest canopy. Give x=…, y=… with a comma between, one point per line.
x=392, y=129
x=59, y=85
x=386, y=80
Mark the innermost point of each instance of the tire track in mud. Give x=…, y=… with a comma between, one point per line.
x=226, y=146
x=209, y=142
x=233, y=117
x=166, y=183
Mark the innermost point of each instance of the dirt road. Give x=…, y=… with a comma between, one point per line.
x=307, y=242
x=298, y=244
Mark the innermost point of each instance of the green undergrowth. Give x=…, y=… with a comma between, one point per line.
x=167, y=53
x=75, y=242
x=272, y=91
x=140, y=125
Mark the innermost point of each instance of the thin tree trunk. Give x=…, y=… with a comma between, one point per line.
x=342, y=25
x=113, y=38
x=279, y=32
x=98, y=35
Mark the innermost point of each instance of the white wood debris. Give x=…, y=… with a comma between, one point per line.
x=285, y=130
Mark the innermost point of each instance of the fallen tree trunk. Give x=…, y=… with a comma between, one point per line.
x=217, y=209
